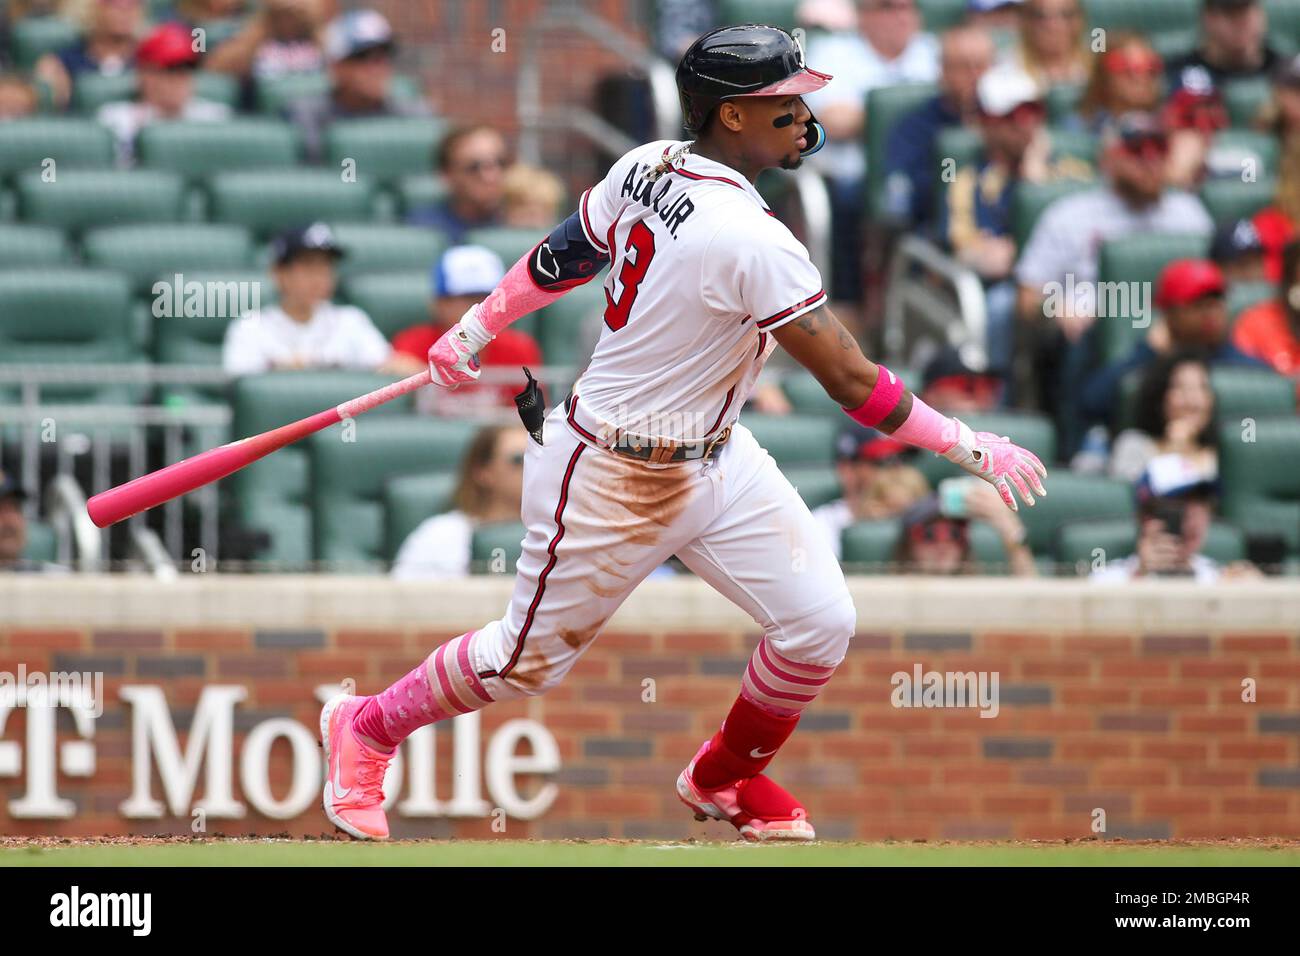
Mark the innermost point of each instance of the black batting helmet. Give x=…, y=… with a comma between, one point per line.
x=747, y=60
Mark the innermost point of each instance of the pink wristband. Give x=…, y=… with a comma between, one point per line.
x=884, y=398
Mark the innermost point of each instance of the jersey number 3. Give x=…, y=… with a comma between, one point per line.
x=630, y=275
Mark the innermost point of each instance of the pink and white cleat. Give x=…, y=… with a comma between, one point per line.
x=759, y=807
x=354, y=773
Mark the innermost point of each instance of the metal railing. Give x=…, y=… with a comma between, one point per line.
x=939, y=295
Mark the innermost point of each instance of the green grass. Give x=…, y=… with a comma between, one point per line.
x=613, y=853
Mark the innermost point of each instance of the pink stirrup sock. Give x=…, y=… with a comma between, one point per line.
x=415, y=700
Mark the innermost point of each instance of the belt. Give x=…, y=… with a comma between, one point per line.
x=659, y=451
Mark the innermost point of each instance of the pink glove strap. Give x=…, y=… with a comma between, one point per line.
x=927, y=429
x=884, y=398
x=514, y=297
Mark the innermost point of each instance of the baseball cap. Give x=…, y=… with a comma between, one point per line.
x=1235, y=240
x=1187, y=280
x=1287, y=72
x=357, y=32
x=317, y=237
x=467, y=270
x=1003, y=88
x=859, y=443
x=9, y=487
x=166, y=48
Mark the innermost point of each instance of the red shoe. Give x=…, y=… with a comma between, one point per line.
x=759, y=807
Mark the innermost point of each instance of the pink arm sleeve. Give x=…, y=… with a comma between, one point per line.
x=924, y=427
x=514, y=297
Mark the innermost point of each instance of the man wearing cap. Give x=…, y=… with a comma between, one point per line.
x=975, y=219
x=1190, y=295
x=165, y=62
x=462, y=277
x=306, y=329
x=1270, y=331
x=877, y=480
x=359, y=47
x=1238, y=251
x=1234, y=35
x=1176, y=504
x=910, y=161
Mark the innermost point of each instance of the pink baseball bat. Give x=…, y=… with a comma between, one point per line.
x=149, y=491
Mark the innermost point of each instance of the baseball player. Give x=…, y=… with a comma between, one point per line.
x=645, y=458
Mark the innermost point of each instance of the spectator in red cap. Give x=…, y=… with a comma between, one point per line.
x=107, y=47
x=165, y=63
x=877, y=480
x=1271, y=330
x=1190, y=294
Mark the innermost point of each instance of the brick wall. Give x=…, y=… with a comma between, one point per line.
x=1146, y=723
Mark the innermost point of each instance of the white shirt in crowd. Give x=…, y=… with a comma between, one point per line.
x=858, y=69
x=1067, y=238
x=1204, y=570
x=438, y=548
x=336, y=336
x=834, y=517
x=125, y=119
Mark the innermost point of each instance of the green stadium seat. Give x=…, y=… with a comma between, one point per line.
x=68, y=316
x=1228, y=200
x=197, y=339
x=1246, y=99
x=269, y=201
x=568, y=329
x=1172, y=44
x=144, y=253
x=511, y=244
x=409, y=500
x=1032, y=198
x=1147, y=17
x=1224, y=542
x=32, y=37
x=1244, y=392
x=275, y=93
x=1073, y=498
x=90, y=91
x=1076, y=144
x=1028, y=429
x=808, y=397
x=382, y=247
x=273, y=494
x=1244, y=295
x=779, y=13
x=869, y=545
x=202, y=149
x=1062, y=101
x=960, y=144
x=1131, y=260
x=27, y=245
x=419, y=191
x=939, y=15
x=348, y=479
x=216, y=31
x=1261, y=477
x=393, y=300
x=495, y=548
x=1283, y=24
x=794, y=439
x=71, y=143
x=42, y=543
x=1249, y=143
x=1086, y=545
x=817, y=485
x=82, y=199
x=886, y=105
x=386, y=148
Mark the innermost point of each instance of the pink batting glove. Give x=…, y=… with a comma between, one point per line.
x=453, y=359
x=995, y=459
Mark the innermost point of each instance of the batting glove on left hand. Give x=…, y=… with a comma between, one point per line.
x=1002, y=464
x=453, y=359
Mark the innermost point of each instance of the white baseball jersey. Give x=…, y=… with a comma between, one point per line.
x=701, y=273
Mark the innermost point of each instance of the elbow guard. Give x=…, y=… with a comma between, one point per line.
x=565, y=258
